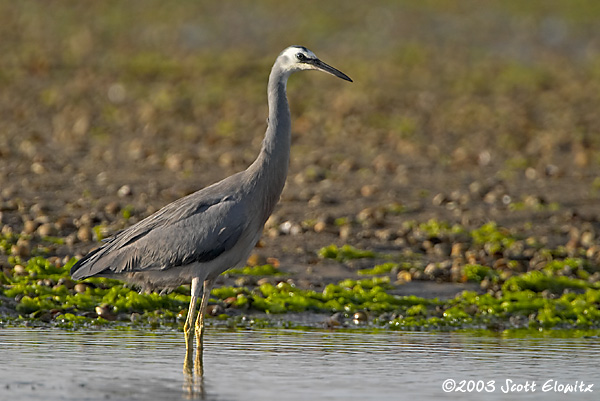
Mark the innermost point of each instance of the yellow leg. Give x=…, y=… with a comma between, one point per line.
x=208, y=284
x=187, y=327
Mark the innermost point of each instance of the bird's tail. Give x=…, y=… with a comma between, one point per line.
x=83, y=267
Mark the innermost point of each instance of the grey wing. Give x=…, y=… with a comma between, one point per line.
x=180, y=234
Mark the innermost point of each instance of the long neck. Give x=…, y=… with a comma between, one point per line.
x=271, y=167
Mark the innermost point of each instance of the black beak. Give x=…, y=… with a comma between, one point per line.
x=329, y=69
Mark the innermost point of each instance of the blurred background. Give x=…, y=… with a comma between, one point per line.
x=459, y=109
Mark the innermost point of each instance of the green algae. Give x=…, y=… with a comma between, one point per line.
x=478, y=273
x=540, y=281
x=436, y=228
x=557, y=296
x=260, y=270
x=344, y=253
x=384, y=268
x=7, y=240
x=53, y=240
x=494, y=237
x=581, y=267
x=472, y=310
x=534, y=205
x=348, y=295
x=42, y=288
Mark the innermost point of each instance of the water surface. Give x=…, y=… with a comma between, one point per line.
x=51, y=364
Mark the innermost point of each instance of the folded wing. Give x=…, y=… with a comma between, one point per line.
x=186, y=231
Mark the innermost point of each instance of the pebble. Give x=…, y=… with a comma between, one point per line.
x=403, y=277
x=476, y=188
x=265, y=280
x=67, y=282
x=485, y=284
x=345, y=232
x=315, y=201
x=471, y=257
x=319, y=226
x=71, y=239
x=418, y=275
x=80, y=288
x=21, y=250
x=173, y=162
x=347, y=165
x=55, y=260
x=371, y=217
x=272, y=221
x=433, y=270
x=439, y=199
x=456, y=271
x=112, y=208
x=290, y=228
x=401, y=243
x=256, y=259
x=226, y=159
x=43, y=219
x=587, y=239
x=442, y=249
x=46, y=282
x=124, y=191
x=39, y=209
x=19, y=270
x=360, y=318
x=46, y=230
x=457, y=250
x=30, y=226
x=531, y=173
x=368, y=190
x=386, y=234
x=87, y=219
x=551, y=170
x=490, y=198
x=105, y=312
x=64, y=223
x=274, y=262
x=427, y=245
x=245, y=281
x=84, y=234
x=335, y=320
x=215, y=310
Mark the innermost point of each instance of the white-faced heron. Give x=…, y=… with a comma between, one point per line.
x=198, y=237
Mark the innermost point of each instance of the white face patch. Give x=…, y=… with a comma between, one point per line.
x=290, y=61
x=295, y=50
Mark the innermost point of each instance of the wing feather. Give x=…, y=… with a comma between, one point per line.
x=183, y=232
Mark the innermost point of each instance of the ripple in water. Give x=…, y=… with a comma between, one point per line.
x=286, y=364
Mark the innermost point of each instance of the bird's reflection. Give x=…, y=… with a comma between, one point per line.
x=193, y=375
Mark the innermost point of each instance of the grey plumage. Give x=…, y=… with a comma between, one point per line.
x=195, y=229
x=197, y=237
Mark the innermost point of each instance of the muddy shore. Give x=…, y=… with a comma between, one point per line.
x=442, y=134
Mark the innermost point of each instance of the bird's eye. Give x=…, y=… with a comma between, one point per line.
x=301, y=57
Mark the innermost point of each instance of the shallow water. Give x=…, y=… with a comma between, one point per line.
x=52, y=364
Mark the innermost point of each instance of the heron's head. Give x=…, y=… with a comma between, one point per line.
x=298, y=58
